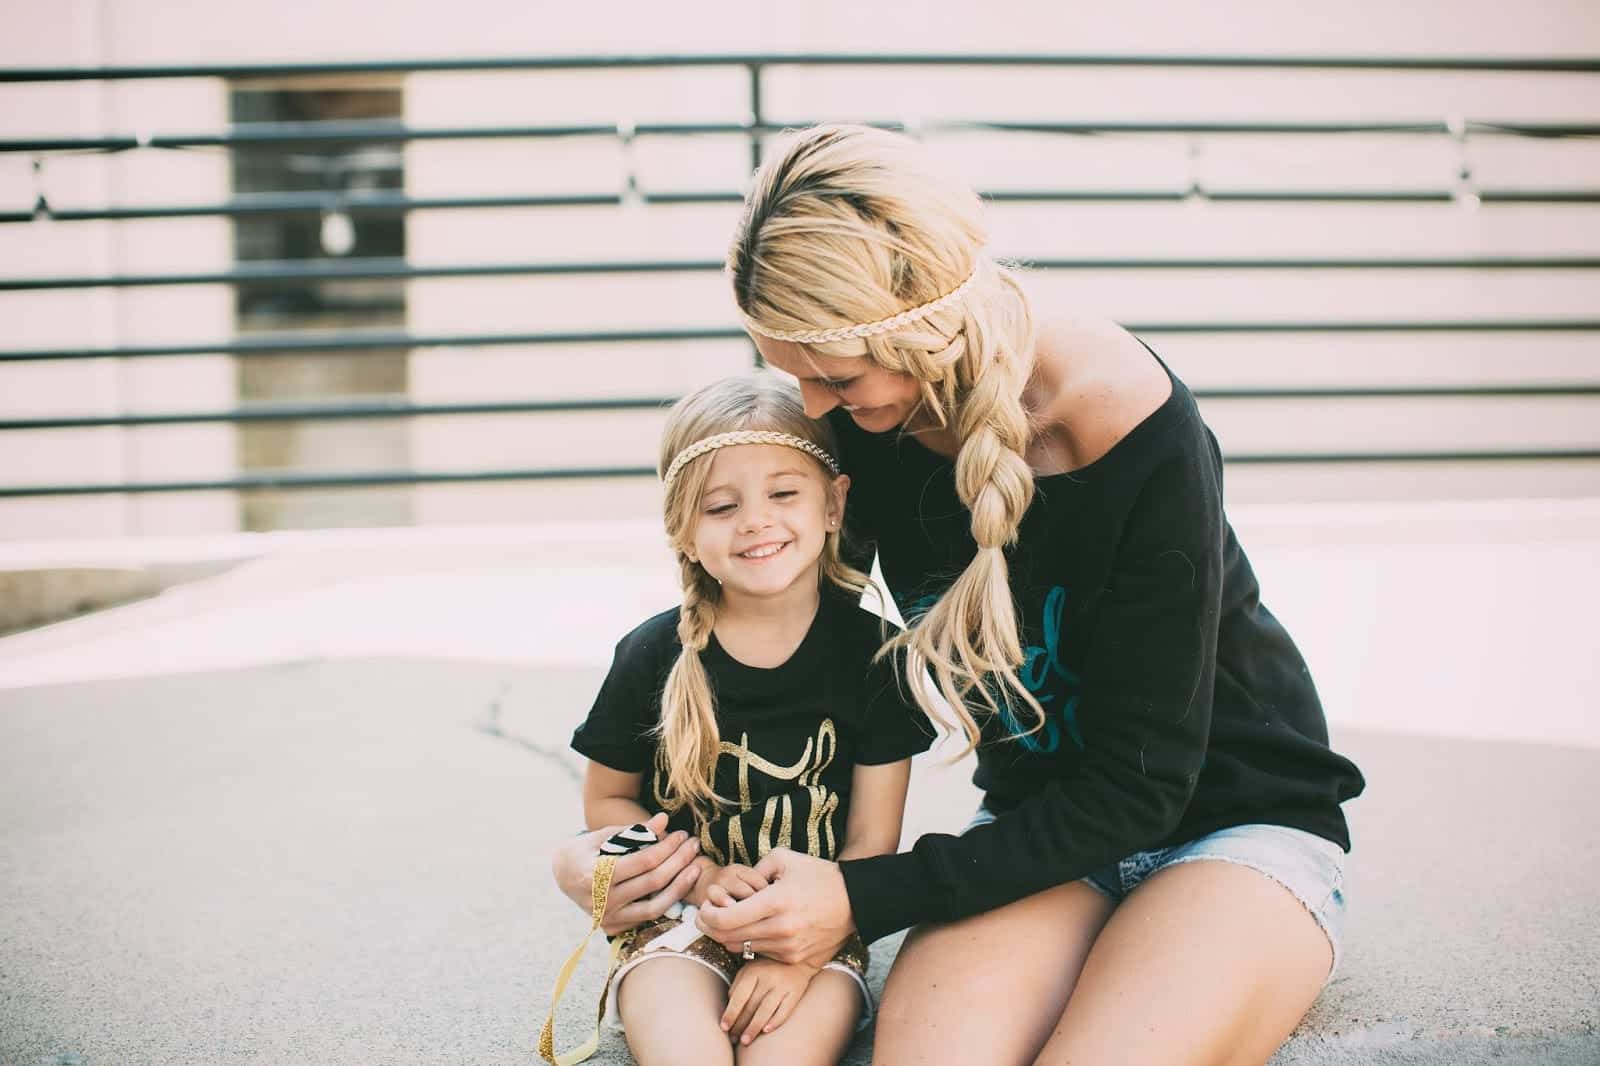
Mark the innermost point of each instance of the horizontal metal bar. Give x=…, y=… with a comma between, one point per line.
x=1401, y=392
x=307, y=204
x=290, y=480
x=356, y=341
x=398, y=408
x=297, y=272
x=338, y=412
x=279, y=134
x=384, y=478
x=1555, y=455
x=1430, y=126
x=1447, y=262
x=362, y=340
x=1528, y=64
x=316, y=203
x=1439, y=196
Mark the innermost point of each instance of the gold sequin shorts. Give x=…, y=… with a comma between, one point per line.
x=851, y=961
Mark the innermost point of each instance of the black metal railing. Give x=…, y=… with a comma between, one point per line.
x=295, y=272
x=757, y=61
x=367, y=409
x=372, y=340
x=755, y=129
x=380, y=204
x=295, y=134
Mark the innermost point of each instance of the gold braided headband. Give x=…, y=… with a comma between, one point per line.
x=747, y=436
x=866, y=329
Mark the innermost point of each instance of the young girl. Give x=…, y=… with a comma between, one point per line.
x=758, y=716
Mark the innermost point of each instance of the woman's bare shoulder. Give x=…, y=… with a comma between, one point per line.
x=1093, y=383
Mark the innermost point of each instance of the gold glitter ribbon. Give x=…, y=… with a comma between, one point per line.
x=605, y=866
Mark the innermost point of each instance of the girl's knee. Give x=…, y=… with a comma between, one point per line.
x=670, y=1008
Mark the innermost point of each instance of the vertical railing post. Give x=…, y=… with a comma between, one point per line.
x=756, y=122
x=756, y=118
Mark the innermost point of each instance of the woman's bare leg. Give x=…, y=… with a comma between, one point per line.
x=1205, y=964
x=671, y=1009
x=990, y=988
x=816, y=1033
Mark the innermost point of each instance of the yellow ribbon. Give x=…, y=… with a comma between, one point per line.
x=604, y=867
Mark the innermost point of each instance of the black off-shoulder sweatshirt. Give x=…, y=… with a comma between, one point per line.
x=1176, y=704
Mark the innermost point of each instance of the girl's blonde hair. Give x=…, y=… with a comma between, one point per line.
x=852, y=225
x=689, y=739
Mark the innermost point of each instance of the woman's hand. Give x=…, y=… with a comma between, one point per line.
x=644, y=884
x=804, y=916
x=763, y=996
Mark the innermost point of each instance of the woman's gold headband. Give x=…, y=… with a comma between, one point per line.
x=866, y=329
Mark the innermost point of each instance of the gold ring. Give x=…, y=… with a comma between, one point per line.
x=748, y=954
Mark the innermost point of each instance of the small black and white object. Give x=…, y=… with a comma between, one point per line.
x=635, y=838
x=629, y=840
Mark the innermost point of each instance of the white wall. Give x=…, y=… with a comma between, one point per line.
x=246, y=31
x=74, y=33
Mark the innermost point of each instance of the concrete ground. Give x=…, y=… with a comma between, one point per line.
x=347, y=861
x=282, y=816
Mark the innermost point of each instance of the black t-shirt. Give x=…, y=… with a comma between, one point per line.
x=791, y=735
x=1175, y=703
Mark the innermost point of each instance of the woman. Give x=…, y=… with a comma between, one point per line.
x=1155, y=875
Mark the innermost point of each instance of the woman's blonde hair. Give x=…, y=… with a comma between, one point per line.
x=689, y=739
x=852, y=225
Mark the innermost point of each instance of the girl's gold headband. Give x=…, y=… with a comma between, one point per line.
x=747, y=436
x=866, y=329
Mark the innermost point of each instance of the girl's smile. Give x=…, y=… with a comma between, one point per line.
x=763, y=552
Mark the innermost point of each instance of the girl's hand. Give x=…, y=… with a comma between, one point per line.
x=735, y=880
x=804, y=916
x=644, y=884
x=763, y=995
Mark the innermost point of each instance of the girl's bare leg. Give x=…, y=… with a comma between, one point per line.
x=816, y=1033
x=671, y=1009
x=991, y=988
x=1205, y=964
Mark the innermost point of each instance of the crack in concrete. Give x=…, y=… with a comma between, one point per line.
x=492, y=727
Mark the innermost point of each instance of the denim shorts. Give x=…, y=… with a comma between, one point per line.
x=1311, y=868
